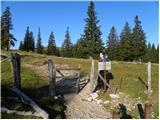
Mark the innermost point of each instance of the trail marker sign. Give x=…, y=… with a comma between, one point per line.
x=104, y=66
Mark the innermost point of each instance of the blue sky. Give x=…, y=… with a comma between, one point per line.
x=56, y=16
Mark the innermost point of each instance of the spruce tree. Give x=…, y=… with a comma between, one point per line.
x=149, y=52
x=39, y=44
x=67, y=46
x=138, y=40
x=157, y=54
x=31, y=42
x=51, y=48
x=26, y=40
x=125, y=43
x=153, y=54
x=113, y=44
x=21, y=45
x=92, y=35
x=7, y=39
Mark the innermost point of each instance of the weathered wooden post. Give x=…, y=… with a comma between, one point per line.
x=149, y=78
x=51, y=77
x=92, y=77
x=15, y=60
x=147, y=111
x=78, y=80
x=115, y=115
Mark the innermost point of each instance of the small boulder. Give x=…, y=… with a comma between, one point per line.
x=94, y=95
x=89, y=99
x=114, y=96
x=98, y=101
x=106, y=102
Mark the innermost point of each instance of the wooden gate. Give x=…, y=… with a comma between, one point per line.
x=60, y=83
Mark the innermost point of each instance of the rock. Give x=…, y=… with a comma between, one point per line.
x=94, y=95
x=106, y=102
x=89, y=99
x=114, y=96
x=97, y=91
x=98, y=101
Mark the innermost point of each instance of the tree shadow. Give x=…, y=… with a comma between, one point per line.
x=123, y=111
x=140, y=110
x=140, y=79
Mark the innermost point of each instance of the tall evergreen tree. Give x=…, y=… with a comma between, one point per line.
x=92, y=35
x=153, y=54
x=7, y=39
x=21, y=45
x=113, y=44
x=157, y=54
x=39, y=43
x=26, y=40
x=149, y=52
x=51, y=48
x=67, y=46
x=138, y=40
x=125, y=43
x=31, y=42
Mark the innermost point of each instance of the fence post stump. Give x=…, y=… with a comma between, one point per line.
x=51, y=77
x=92, y=76
x=16, y=65
x=147, y=111
x=115, y=115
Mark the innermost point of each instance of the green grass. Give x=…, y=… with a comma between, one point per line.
x=131, y=85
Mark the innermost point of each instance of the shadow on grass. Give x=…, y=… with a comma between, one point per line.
x=54, y=107
x=140, y=79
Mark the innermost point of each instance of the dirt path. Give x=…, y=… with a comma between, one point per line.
x=77, y=107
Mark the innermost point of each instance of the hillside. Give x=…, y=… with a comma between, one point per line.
x=34, y=74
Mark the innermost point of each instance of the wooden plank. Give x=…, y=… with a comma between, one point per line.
x=15, y=63
x=59, y=72
x=52, y=77
x=39, y=110
x=67, y=77
x=13, y=69
x=92, y=77
x=105, y=82
x=17, y=70
x=68, y=68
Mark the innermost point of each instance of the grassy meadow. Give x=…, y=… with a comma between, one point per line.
x=36, y=87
